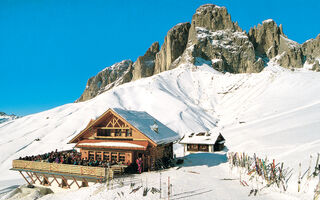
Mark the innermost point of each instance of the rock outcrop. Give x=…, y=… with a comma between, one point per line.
x=144, y=66
x=311, y=51
x=174, y=45
x=266, y=38
x=5, y=118
x=215, y=37
x=114, y=75
x=211, y=38
x=269, y=41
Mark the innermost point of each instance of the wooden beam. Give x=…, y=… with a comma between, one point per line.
x=76, y=182
x=46, y=179
x=30, y=176
x=24, y=177
x=71, y=183
x=37, y=178
x=52, y=181
x=114, y=128
x=56, y=180
x=85, y=181
x=65, y=180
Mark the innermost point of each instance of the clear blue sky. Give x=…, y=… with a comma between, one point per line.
x=49, y=48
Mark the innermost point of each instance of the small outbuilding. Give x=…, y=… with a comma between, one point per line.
x=203, y=142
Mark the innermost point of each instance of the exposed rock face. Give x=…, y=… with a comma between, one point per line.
x=270, y=41
x=114, y=75
x=212, y=18
x=290, y=53
x=266, y=38
x=5, y=118
x=311, y=50
x=174, y=45
x=144, y=66
x=213, y=38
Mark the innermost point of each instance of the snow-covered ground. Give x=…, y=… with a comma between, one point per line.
x=275, y=113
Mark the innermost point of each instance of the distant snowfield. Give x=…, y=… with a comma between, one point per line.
x=275, y=113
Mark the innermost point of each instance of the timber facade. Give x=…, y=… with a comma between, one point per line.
x=113, y=139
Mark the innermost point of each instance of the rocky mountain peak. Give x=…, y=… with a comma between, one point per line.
x=174, y=45
x=266, y=38
x=211, y=37
x=311, y=49
x=5, y=117
x=111, y=76
x=144, y=66
x=213, y=18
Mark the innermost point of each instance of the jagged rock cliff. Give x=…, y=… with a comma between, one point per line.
x=311, y=50
x=144, y=66
x=5, y=117
x=212, y=37
x=174, y=45
x=215, y=37
x=114, y=75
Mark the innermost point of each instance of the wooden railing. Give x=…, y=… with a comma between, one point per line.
x=60, y=168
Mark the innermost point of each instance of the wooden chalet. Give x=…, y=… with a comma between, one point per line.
x=121, y=136
x=203, y=142
x=117, y=136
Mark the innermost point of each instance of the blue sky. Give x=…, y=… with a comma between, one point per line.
x=49, y=48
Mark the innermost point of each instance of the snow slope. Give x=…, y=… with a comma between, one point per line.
x=4, y=117
x=274, y=113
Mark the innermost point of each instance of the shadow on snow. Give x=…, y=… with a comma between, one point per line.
x=208, y=159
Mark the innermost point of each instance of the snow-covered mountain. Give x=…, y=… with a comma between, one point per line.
x=214, y=37
x=4, y=117
x=279, y=111
x=256, y=87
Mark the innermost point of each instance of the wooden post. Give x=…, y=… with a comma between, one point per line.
x=30, y=176
x=76, y=182
x=86, y=182
x=38, y=178
x=160, y=185
x=46, y=180
x=24, y=177
x=56, y=180
x=65, y=181
x=168, y=187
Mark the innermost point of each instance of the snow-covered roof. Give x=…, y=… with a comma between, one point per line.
x=201, y=138
x=147, y=125
x=112, y=144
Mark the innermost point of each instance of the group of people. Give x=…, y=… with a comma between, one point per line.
x=73, y=157
x=66, y=157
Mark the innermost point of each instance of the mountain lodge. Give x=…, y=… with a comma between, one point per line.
x=107, y=145
x=121, y=136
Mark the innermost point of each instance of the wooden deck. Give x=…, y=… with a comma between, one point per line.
x=65, y=171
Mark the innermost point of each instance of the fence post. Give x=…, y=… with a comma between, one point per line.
x=168, y=187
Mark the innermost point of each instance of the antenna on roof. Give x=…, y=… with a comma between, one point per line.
x=155, y=127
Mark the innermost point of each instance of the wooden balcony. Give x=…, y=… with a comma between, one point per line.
x=98, y=172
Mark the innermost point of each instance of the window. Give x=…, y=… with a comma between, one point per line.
x=122, y=157
x=117, y=132
x=103, y=132
x=91, y=155
x=114, y=157
x=203, y=147
x=128, y=133
x=106, y=156
x=192, y=147
x=98, y=155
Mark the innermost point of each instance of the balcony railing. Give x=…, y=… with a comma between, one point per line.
x=60, y=168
